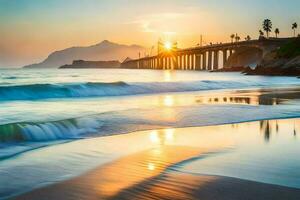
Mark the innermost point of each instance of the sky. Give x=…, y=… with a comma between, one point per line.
x=31, y=29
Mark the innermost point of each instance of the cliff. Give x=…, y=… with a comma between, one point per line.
x=282, y=62
x=82, y=64
x=105, y=50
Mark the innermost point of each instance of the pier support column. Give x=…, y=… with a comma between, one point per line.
x=188, y=62
x=224, y=57
x=175, y=61
x=153, y=63
x=216, y=60
x=195, y=61
x=192, y=61
x=183, y=62
x=178, y=62
x=209, y=67
x=198, y=62
x=167, y=63
x=204, y=66
x=159, y=62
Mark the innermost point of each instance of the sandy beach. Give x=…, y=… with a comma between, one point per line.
x=143, y=176
x=152, y=172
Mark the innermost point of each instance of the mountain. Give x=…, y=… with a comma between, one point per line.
x=103, y=51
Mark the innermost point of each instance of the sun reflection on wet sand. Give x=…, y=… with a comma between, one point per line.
x=137, y=168
x=152, y=172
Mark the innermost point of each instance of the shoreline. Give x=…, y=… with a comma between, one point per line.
x=152, y=173
x=107, y=183
x=156, y=181
x=285, y=93
x=256, y=96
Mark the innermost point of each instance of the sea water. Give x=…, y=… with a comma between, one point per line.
x=40, y=108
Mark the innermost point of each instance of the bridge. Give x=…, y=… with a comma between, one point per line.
x=210, y=57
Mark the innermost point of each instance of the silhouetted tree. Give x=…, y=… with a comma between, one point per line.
x=248, y=38
x=232, y=37
x=237, y=38
x=277, y=32
x=267, y=26
x=294, y=27
x=261, y=33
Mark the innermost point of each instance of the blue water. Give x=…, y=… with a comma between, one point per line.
x=40, y=108
x=54, y=105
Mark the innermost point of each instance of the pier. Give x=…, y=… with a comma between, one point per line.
x=210, y=57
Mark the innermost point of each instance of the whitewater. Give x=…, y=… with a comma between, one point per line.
x=47, y=107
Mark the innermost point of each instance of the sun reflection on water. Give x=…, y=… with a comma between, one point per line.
x=169, y=100
x=167, y=76
x=169, y=134
x=151, y=166
x=154, y=137
x=162, y=136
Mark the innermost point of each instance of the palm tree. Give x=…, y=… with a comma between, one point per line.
x=267, y=26
x=237, y=38
x=232, y=37
x=277, y=32
x=248, y=38
x=261, y=33
x=294, y=27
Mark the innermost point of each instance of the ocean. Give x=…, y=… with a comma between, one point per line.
x=42, y=108
x=46, y=106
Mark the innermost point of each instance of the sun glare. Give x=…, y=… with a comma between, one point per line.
x=168, y=46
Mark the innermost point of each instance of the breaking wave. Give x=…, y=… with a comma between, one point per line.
x=48, y=131
x=77, y=90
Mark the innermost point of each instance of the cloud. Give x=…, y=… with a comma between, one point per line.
x=159, y=23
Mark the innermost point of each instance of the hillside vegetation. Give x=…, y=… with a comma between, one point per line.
x=290, y=50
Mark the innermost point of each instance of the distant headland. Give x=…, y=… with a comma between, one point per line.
x=103, y=51
x=82, y=64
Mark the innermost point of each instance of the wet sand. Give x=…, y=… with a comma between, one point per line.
x=148, y=175
x=134, y=177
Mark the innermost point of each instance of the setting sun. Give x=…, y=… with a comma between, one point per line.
x=168, y=45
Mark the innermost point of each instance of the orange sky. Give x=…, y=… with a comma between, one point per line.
x=33, y=29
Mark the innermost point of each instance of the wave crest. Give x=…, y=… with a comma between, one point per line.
x=90, y=89
x=48, y=131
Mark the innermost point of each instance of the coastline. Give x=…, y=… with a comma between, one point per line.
x=161, y=116
x=182, y=111
x=153, y=173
